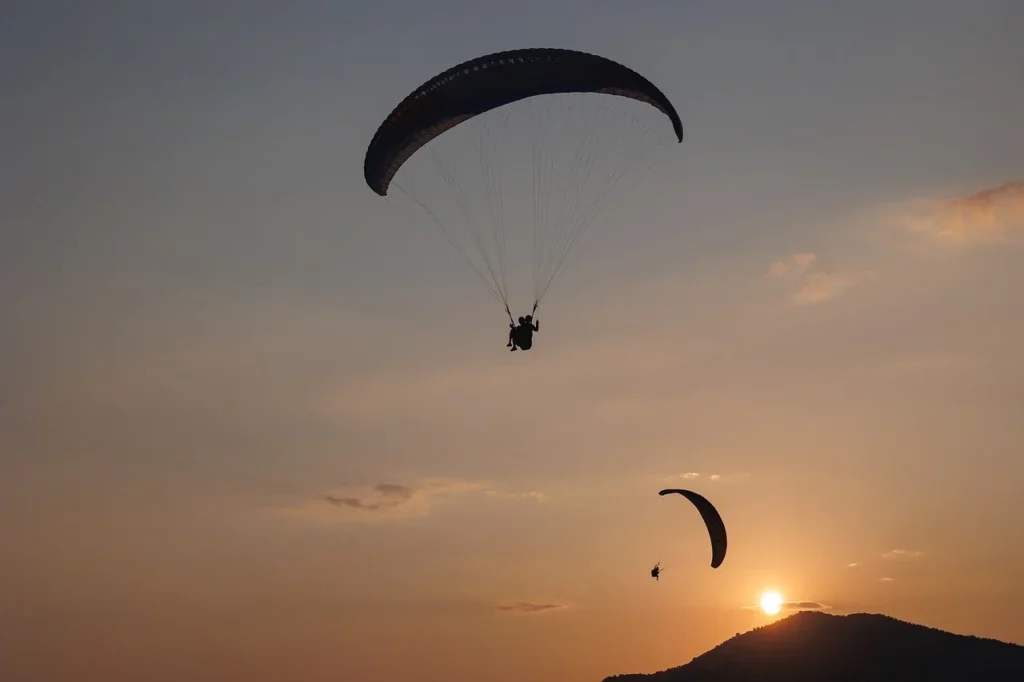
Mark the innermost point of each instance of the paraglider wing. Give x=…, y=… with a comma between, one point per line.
x=712, y=519
x=492, y=81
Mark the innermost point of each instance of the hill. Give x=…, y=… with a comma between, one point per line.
x=818, y=647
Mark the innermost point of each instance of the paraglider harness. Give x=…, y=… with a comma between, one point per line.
x=515, y=333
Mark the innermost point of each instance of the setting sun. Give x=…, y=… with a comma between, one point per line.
x=771, y=602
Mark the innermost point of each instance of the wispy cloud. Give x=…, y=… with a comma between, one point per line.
x=804, y=606
x=797, y=264
x=816, y=283
x=822, y=286
x=991, y=215
x=795, y=606
x=886, y=580
x=853, y=564
x=391, y=501
x=383, y=497
x=902, y=554
x=530, y=495
x=693, y=475
x=530, y=607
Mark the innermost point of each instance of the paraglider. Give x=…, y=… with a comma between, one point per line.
x=578, y=122
x=656, y=571
x=712, y=519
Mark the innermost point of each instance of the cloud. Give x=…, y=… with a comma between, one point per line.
x=852, y=565
x=795, y=606
x=391, y=501
x=816, y=283
x=902, y=554
x=797, y=264
x=886, y=580
x=821, y=286
x=530, y=607
x=692, y=475
x=385, y=496
x=804, y=606
x=394, y=490
x=991, y=215
x=530, y=495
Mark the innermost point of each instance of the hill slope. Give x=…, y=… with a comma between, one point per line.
x=814, y=646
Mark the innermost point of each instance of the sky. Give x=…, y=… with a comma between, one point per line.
x=256, y=423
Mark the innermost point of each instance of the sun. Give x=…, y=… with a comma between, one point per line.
x=771, y=602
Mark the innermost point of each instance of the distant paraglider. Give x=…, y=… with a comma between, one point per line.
x=713, y=521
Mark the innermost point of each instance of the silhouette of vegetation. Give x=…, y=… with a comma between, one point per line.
x=818, y=647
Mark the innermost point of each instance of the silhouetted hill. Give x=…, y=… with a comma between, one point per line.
x=819, y=647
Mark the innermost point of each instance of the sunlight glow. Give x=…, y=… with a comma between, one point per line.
x=771, y=602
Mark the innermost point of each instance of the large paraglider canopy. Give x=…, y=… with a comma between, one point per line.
x=712, y=519
x=533, y=137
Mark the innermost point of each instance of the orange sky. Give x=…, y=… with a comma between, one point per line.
x=251, y=429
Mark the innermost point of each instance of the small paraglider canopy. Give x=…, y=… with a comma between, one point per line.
x=712, y=519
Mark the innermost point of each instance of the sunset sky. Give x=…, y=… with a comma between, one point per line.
x=255, y=426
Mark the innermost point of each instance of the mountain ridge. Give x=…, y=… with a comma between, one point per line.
x=810, y=646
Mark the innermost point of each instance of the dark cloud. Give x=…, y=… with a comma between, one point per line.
x=394, y=490
x=382, y=497
x=349, y=502
x=361, y=505
x=382, y=501
x=530, y=607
